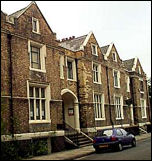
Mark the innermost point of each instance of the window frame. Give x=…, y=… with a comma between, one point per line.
x=42, y=56
x=38, y=57
x=119, y=113
x=35, y=99
x=128, y=83
x=118, y=78
x=99, y=109
x=72, y=60
x=143, y=108
x=61, y=66
x=114, y=55
x=92, y=50
x=37, y=25
x=96, y=73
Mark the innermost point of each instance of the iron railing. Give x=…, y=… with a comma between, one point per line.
x=71, y=133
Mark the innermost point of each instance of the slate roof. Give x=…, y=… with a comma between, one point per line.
x=129, y=63
x=104, y=49
x=18, y=13
x=73, y=44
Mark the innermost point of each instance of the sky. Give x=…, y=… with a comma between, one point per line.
x=125, y=23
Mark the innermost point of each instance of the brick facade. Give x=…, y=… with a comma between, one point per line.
x=82, y=88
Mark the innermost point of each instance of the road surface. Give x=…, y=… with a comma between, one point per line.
x=141, y=152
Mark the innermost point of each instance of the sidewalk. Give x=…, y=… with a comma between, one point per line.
x=77, y=153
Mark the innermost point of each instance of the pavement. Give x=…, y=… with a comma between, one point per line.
x=77, y=153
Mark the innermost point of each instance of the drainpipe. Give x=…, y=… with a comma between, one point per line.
x=78, y=86
x=108, y=87
x=132, y=95
x=9, y=38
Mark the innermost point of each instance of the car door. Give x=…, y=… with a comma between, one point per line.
x=126, y=138
x=120, y=136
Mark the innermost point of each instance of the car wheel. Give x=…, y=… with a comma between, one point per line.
x=133, y=143
x=120, y=147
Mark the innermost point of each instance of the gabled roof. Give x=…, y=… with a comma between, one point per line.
x=76, y=44
x=131, y=64
x=104, y=49
x=17, y=14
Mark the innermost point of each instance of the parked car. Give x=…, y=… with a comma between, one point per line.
x=114, y=138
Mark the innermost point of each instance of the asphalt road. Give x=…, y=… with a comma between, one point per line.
x=141, y=152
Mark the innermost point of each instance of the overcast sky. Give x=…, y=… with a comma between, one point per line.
x=126, y=23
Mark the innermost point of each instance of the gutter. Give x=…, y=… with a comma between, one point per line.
x=9, y=38
x=108, y=87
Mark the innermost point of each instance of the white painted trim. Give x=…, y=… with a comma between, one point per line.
x=37, y=25
x=26, y=9
x=69, y=91
x=96, y=49
x=121, y=102
x=94, y=129
x=143, y=123
x=115, y=56
x=108, y=51
x=135, y=64
x=25, y=136
x=118, y=78
x=86, y=40
x=62, y=66
x=42, y=55
x=72, y=60
x=47, y=98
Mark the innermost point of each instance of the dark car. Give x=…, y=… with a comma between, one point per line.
x=114, y=138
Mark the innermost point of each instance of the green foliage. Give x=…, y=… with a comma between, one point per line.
x=39, y=147
x=9, y=151
x=2, y=111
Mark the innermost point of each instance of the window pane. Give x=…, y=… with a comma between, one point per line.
x=31, y=91
x=43, y=109
x=35, y=65
x=37, y=92
x=70, y=70
x=35, y=58
x=34, y=25
x=31, y=109
x=38, y=109
x=116, y=78
x=42, y=93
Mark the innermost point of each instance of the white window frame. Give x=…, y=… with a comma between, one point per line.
x=115, y=56
x=120, y=107
x=139, y=70
x=42, y=48
x=96, y=73
x=118, y=78
x=99, y=107
x=128, y=83
x=37, y=25
x=96, y=51
x=73, y=68
x=47, y=103
x=62, y=67
x=141, y=79
x=143, y=108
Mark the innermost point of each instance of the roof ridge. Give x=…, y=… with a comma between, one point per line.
x=18, y=11
x=73, y=38
x=129, y=59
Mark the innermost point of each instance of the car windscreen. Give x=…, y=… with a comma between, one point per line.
x=105, y=133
